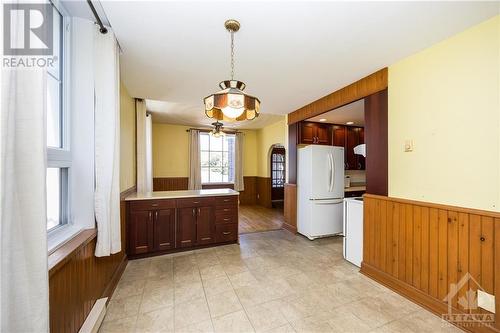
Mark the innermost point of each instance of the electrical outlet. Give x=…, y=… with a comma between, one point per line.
x=486, y=301
x=408, y=146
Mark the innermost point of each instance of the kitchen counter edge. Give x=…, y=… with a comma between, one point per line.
x=157, y=195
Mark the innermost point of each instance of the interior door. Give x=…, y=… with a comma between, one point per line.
x=277, y=173
x=205, y=225
x=186, y=227
x=164, y=229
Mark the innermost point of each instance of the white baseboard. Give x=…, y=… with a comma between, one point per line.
x=95, y=317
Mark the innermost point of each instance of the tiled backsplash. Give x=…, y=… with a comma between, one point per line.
x=357, y=176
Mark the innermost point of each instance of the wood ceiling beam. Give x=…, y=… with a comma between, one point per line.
x=360, y=89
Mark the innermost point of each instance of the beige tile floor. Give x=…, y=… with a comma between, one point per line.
x=270, y=282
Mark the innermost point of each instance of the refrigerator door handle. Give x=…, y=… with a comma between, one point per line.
x=332, y=175
x=329, y=161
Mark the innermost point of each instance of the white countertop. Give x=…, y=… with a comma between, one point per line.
x=181, y=194
x=355, y=188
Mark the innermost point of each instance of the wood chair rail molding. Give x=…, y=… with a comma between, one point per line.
x=421, y=250
x=360, y=89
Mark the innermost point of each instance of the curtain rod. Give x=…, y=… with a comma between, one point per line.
x=102, y=29
x=209, y=130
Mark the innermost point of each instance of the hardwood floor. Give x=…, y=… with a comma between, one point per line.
x=257, y=218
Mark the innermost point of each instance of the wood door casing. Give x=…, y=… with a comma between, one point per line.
x=164, y=229
x=141, y=231
x=205, y=225
x=186, y=227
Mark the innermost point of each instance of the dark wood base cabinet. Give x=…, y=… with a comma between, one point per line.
x=161, y=226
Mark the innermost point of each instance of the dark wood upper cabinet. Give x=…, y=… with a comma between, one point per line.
x=338, y=135
x=140, y=232
x=164, y=229
x=314, y=133
x=354, y=137
x=186, y=227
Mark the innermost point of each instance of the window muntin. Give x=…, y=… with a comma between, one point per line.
x=217, y=158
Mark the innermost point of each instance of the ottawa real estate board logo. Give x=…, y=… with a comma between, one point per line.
x=465, y=292
x=28, y=40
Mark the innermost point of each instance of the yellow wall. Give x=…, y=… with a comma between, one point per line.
x=266, y=137
x=446, y=99
x=127, y=140
x=171, y=149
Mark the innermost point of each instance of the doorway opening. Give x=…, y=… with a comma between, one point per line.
x=278, y=167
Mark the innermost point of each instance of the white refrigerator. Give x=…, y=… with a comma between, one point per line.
x=320, y=190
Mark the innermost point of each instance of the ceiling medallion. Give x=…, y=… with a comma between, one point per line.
x=231, y=103
x=217, y=131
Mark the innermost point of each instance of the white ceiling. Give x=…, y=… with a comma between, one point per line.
x=288, y=53
x=354, y=112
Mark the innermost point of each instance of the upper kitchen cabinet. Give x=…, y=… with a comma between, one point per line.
x=314, y=133
x=338, y=135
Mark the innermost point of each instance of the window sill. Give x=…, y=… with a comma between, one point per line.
x=60, y=236
x=65, y=251
x=223, y=183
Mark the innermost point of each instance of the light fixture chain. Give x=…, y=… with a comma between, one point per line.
x=232, y=55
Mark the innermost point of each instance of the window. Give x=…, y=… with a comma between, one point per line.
x=217, y=158
x=58, y=149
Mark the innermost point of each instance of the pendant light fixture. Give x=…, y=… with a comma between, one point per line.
x=231, y=103
x=217, y=131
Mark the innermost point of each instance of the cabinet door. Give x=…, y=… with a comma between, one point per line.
x=164, y=228
x=140, y=236
x=323, y=136
x=186, y=227
x=205, y=225
x=352, y=141
x=307, y=133
x=339, y=136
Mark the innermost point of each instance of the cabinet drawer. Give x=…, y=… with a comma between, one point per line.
x=226, y=210
x=226, y=219
x=195, y=202
x=151, y=204
x=226, y=233
x=227, y=200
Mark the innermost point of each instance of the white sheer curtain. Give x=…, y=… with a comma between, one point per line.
x=144, y=148
x=194, y=160
x=24, y=283
x=238, y=152
x=107, y=144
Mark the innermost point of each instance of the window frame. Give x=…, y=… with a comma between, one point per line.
x=61, y=157
x=229, y=182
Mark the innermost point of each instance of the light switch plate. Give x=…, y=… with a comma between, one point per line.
x=408, y=146
x=486, y=301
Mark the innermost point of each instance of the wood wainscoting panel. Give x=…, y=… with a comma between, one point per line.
x=427, y=252
x=360, y=89
x=77, y=278
x=249, y=195
x=170, y=183
x=290, y=208
x=264, y=192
